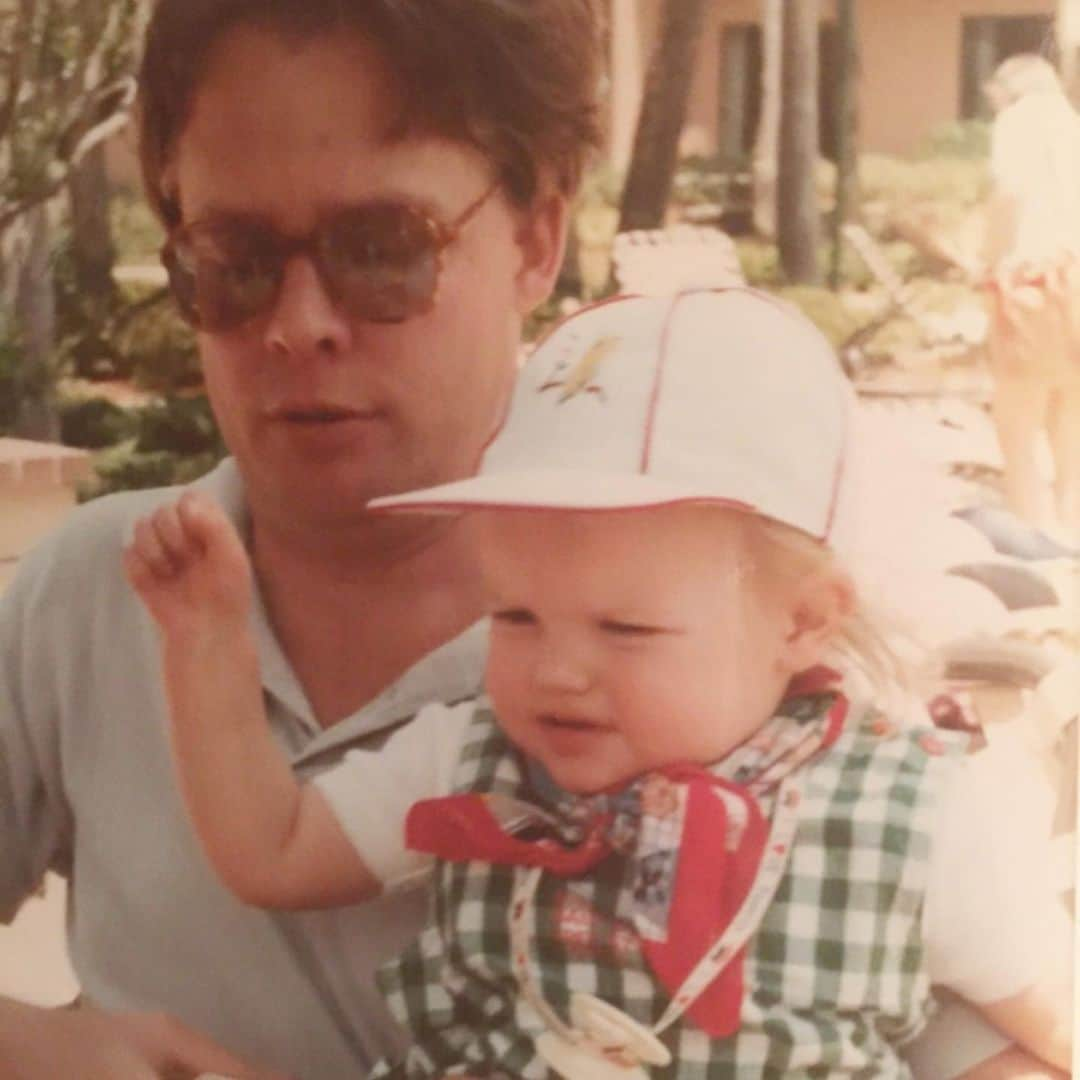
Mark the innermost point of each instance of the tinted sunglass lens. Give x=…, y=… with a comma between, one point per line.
x=382, y=261
x=230, y=293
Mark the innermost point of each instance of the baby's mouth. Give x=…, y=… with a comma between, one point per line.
x=322, y=414
x=569, y=723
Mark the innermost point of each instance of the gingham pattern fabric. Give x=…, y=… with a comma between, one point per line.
x=835, y=976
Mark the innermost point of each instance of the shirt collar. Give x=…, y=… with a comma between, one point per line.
x=448, y=674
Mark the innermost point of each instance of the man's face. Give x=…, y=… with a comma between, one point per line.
x=324, y=411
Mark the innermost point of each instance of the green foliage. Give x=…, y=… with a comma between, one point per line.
x=603, y=183
x=94, y=422
x=137, y=235
x=179, y=425
x=825, y=309
x=760, y=262
x=960, y=139
x=700, y=180
x=9, y=386
x=122, y=468
x=172, y=441
x=159, y=348
x=63, y=67
x=946, y=182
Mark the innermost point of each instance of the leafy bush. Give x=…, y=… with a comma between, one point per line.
x=137, y=234
x=603, y=183
x=159, y=348
x=760, y=262
x=947, y=182
x=122, y=468
x=960, y=139
x=179, y=425
x=9, y=385
x=825, y=309
x=94, y=422
x=701, y=180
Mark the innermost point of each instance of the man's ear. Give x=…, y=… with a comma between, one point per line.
x=815, y=614
x=541, y=239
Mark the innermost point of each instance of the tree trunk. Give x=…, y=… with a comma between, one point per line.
x=847, y=157
x=767, y=140
x=92, y=244
x=35, y=322
x=798, y=216
x=663, y=112
x=1067, y=33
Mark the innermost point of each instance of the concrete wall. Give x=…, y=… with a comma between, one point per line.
x=37, y=488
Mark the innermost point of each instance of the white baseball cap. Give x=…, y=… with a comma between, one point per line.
x=727, y=396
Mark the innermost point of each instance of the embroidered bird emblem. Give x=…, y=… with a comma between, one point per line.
x=580, y=378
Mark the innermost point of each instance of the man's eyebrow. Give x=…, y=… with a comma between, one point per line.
x=220, y=212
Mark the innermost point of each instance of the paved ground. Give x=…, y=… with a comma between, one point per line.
x=33, y=960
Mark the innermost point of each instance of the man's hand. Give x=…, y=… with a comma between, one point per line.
x=86, y=1043
x=189, y=567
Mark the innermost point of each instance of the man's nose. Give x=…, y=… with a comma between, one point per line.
x=305, y=321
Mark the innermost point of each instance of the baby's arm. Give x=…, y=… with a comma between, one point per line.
x=273, y=842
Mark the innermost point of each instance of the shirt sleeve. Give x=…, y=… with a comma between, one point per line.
x=992, y=920
x=34, y=819
x=371, y=791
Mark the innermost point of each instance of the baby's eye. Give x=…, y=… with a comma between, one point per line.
x=629, y=629
x=514, y=617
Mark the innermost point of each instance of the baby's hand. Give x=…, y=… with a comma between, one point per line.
x=189, y=567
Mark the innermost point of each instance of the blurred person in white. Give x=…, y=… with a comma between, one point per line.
x=1033, y=261
x=692, y=834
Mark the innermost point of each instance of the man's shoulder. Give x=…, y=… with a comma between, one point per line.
x=84, y=551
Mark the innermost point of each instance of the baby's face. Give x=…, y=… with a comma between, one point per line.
x=625, y=641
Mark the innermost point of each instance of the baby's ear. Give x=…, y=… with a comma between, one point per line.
x=818, y=607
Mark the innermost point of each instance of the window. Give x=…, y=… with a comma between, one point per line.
x=740, y=90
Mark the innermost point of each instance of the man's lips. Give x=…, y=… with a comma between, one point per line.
x=319, y=413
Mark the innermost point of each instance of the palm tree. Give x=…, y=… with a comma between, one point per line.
x=663, y=112
x=847, y=180
x=766, y=141
x=798, y=217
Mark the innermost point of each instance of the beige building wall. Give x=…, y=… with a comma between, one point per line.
x=909, y=82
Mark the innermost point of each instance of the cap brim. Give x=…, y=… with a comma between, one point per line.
x=555, y=489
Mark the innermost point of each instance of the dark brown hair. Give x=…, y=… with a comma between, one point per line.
x=517, y=79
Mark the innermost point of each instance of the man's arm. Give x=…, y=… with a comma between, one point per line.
x=997, y=933
x=1038, y=1018
x=273, y=842
x=85, y=1043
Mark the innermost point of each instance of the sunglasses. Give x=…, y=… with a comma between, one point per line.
x=378, y=261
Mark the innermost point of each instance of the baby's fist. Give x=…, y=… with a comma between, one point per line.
x=188, y=565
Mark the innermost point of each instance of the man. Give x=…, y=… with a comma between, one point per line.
x=364, y=201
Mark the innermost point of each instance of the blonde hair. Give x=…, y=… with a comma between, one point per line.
x=868, y=640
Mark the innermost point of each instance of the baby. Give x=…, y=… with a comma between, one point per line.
x=674, y=840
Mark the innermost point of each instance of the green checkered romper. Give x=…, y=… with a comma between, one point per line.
x=835, y=975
